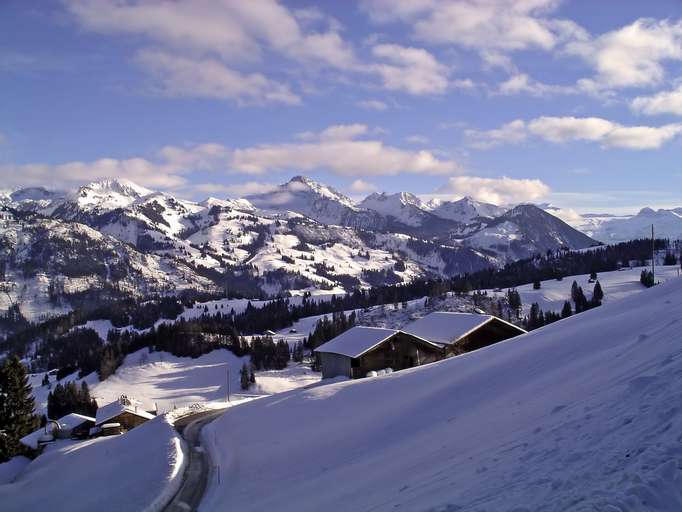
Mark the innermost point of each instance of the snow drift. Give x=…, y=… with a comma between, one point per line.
x=581, y=415
x=136, y=471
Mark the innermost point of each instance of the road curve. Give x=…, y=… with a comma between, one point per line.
x=195, y=479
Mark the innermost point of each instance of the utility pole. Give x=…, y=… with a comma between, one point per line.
x=653, y=255
x=228, y=383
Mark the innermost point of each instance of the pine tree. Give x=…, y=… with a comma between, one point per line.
x=536, y=284
x=566, y=311
x=244, y=377
x=597, y=294
x=16, y=408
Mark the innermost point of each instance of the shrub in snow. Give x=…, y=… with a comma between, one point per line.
x=372, y=374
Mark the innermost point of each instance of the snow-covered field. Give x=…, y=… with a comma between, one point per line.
x=135, y=471
x=161, y=379
x=581, y=415
x=616, y=285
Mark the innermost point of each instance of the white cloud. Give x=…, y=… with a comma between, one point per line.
x=210, y=78
x=509, y=133
x=417, y=139
x=206, y=39
x=204, y=48
x=568, y=215
x=412, y=70
x=521, y=83
x=349, y=158
x=233, y=29
x=338, y=149
x=484, y=25
x=139, y=170
x=567, y=129
x=631, y=56
x=665, y=102
x=235, y=190
x=610, y=134
x=362, y=187
x=372, y=105
x=336, y=132
x=499, y=191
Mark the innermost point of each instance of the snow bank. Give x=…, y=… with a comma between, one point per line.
x=10, y=469
x=139, y=470
x=580, y=415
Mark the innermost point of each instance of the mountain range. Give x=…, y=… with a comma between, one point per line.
x=114, y=238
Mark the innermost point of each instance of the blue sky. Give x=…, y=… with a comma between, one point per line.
x=574, y=103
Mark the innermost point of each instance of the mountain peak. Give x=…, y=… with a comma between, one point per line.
x=303, y=184
x=120, y=186
x=109, y=194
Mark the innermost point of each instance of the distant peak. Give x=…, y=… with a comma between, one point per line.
x=117, y=185
x=646, y=211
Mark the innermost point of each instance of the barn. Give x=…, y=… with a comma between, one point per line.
x=123, y=411
x=361, y=350
x=462, y=332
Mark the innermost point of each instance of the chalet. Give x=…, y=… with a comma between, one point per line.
x=67, y=427
x=6, y=215
x=361, y=350
x=457, y=333
x=124, y=411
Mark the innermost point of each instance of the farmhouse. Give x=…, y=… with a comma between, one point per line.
x=124, y=412
x=6, y=215
x=70, y=426
x=457, y=333
x=360, y=350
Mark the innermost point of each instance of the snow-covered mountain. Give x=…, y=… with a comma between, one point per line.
x=524, y=229
x=403, y=207
x=303, y=236
x=319, y=202
x=611, y=228
x=667, y=224
x=465, y=210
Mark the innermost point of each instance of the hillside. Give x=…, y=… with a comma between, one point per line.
x=616, y=285
x=579, y=415
x=113, y=239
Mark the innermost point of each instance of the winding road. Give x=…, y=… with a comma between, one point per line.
x=195, y=478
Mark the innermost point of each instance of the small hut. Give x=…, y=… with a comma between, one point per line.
x=361, y=350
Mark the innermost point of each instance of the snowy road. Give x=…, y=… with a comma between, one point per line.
x=196, y=473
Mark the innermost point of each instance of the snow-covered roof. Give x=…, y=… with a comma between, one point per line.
x=119, y=406
x=446, y=327
x=356, y=341
x=67, y=422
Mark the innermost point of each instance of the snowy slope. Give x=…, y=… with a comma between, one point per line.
x=581, y=415
x=616, y=285
x=129, y=472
